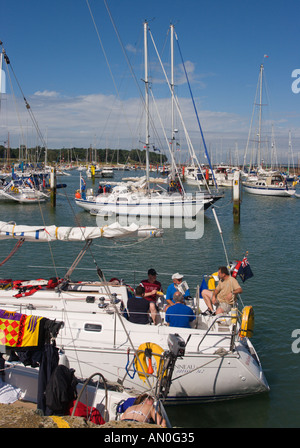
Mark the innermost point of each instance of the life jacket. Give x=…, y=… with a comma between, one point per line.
x=27, y=288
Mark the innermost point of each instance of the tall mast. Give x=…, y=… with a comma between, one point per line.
x=260, y=117
x=146, y=99
x=172, y=103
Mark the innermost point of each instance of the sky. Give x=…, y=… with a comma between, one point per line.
x=80, y=66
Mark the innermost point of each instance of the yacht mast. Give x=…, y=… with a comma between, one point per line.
x=146, y=99
x=172, y=103
x=260, y=119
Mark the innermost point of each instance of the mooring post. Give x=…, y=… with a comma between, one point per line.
x=53, y=187
x=236, y=197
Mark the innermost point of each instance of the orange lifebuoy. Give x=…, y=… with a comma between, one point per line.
x=77, y=195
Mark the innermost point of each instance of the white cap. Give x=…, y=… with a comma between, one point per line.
x=177, y=276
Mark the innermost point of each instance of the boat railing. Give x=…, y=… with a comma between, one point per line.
x=84, y=389
x=211, y=326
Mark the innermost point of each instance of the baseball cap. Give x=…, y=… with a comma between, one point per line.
x=152, y=272
x=177, y=276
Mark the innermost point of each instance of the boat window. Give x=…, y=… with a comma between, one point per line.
x=93, y=327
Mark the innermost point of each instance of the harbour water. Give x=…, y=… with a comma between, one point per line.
x=269, y=231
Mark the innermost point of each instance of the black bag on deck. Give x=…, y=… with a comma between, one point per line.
x=61, y=390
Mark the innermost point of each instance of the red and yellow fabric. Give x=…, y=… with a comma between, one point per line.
x=19, y=330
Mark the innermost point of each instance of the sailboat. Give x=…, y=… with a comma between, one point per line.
x=219, y=362
x=140, y=199
x=25, y=190
x=266, y=183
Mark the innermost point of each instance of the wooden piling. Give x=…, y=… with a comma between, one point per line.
x=53, y=187
x=236, y=197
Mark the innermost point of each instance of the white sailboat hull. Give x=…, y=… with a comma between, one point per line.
x=267, y=190
x=94, y=338
x=159, y=205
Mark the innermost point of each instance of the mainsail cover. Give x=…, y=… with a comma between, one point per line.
x=54, y=233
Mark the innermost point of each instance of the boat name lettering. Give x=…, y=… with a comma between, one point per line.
x=183, y=368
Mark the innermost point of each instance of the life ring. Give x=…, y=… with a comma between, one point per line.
x=281, y=184
x=147, y=350
x=247, y=324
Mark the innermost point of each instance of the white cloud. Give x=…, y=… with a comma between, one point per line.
x=104, y=120
x=47, y=93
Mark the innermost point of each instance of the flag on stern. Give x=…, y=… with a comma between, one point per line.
x=245, y=271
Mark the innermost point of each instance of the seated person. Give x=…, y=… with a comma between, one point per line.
x=177, y=279
x=138, y=307
x=152, y=286
x=143, y=411
x=224, y=295
x=114, y=281
x=179, y=315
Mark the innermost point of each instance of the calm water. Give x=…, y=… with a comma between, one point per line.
x=269, y=231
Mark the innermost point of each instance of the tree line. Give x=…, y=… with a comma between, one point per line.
x=83, y=155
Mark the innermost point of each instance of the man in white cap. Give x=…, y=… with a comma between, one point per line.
x=173, y=287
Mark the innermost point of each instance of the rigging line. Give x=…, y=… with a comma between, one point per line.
x=122, y=47
x=14, y=250
x=49, y=243
x=117, y=246
x=25, y=100
x=175, y=101
x=128, y=61
x=200, y=127
x=221, y=234
x=106, y=58
x=172, y=155
x=15, y=102
x=66, y=317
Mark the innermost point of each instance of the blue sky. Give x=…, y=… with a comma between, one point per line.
x=56, y=55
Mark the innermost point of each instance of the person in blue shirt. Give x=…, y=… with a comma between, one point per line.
x=177, y=279
x=179, y=315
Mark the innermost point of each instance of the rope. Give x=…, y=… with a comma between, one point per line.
x=19, y=244
x=196, y=112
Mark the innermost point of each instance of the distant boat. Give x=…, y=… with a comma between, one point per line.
x=273, y=185
x=267, y=183
x=23, y=190
x=107, y=172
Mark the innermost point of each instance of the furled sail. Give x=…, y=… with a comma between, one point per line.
x=54, y=233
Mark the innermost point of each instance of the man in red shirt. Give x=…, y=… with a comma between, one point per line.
x=152, y=286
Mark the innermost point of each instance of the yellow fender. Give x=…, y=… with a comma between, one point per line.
x=155, y=351
x=247, y=324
